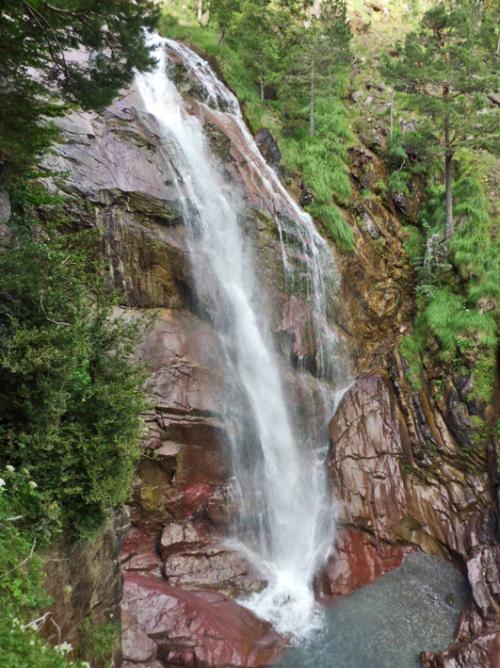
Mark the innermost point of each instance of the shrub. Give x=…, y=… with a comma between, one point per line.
x=22, y=597
x=70, y=403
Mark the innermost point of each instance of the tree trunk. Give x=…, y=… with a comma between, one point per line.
x=261, y=84
x=392, y=116
x=199, y=11
x=448, y=159
x=312, y=123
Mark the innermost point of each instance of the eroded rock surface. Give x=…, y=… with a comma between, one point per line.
x=193, y=628
x=395, y=496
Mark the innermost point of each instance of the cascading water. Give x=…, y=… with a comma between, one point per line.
x=286, y=523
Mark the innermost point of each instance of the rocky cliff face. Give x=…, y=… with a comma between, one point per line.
x=403, y=462
x=396, y=460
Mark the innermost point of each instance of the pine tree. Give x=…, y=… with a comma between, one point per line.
x=315, y=53
x=43, y=36
x=255, y=33
x=224, y=12
x=447, y=71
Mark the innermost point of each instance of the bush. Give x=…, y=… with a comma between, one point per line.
x=70, y=404
x=22, y=597
x=458, y=298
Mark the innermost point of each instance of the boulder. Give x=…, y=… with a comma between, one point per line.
x=358, y=560
x=196, y=628
x=195, y=559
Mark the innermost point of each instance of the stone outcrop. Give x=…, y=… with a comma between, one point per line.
x=398, y=495
x=381, y=487
x=358, y=560
x=193, y=628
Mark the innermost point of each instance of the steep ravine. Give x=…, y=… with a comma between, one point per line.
x=395, y=458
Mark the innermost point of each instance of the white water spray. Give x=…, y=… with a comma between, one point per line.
x=286, y=524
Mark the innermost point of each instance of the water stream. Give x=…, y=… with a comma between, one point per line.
x=286, y=517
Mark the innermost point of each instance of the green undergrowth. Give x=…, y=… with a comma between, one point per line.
x=69, y=409
x=458, y=317
x=98, y=643
x=70, y=406
x=320, y=160
x=22, y=595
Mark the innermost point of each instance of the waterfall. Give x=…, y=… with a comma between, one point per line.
x=285, y=524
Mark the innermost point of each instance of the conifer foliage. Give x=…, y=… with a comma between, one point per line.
x=61, y=52
x=298, y=56
x=447, y=69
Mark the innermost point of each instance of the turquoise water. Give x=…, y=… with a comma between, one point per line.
x=387, y=624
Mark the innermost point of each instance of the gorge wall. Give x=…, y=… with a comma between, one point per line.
x=397, y=455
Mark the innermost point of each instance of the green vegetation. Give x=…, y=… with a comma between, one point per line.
x=458, y=297
x=447, y=68
x=39, y=35
x=99, y=643
x=70, y=403
x=69, y=410
x=22, y=596
x=290, y=70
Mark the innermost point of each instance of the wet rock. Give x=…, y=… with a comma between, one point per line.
x=358, y=560
x=458, y=419
x=221, y=508
x=295, y=331
x=195, y=559
x=268, y=146
x=366, y=460
x=198, y=628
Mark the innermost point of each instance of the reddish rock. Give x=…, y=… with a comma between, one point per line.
x=193, y=559
x=479, y=652
x=221, y=508
x=136, y=645
x=477, y=640
x=186, y=501
x=366, y=460
x=377, y=484
x=200, y=629
x=359, y=559
x=139, y=553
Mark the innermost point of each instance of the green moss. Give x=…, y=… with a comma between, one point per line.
x=336, y=225
x=98, y=644
x=411, y=348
